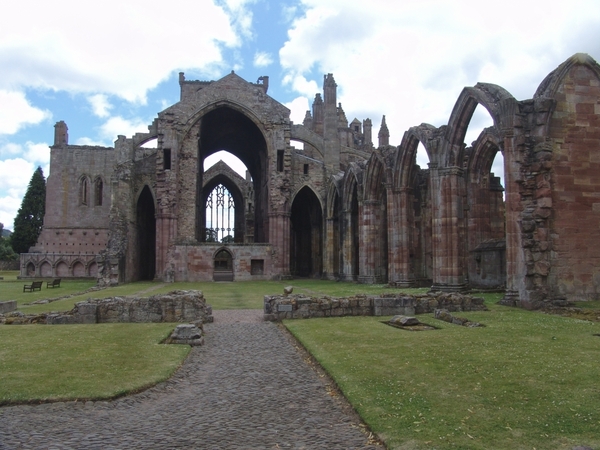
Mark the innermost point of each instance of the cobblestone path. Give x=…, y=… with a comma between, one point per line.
x=247, y=387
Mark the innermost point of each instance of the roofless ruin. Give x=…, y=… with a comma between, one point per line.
x=322, y=200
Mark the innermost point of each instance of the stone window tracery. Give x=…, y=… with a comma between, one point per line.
x=220, y=215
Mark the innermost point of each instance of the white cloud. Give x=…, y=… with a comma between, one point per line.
x=15, y=175
x=16, y=112
x=262, y=59
x=118, y=125
x=100, y=105
x=90, y=141
x=410, y=62
x=298, y=108
x=83, y=47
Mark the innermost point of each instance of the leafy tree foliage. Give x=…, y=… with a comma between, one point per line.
x=29, y=220
x=6, y=251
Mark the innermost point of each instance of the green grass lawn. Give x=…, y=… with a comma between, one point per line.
x=527, y=380
x=222, y=295
x=60, y=362
x=41, y=362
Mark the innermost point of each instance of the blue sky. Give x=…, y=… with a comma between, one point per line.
x=108, y=68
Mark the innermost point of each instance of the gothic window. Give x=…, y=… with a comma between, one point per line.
x=98, y=187
x=220, y=215
x=84, y=189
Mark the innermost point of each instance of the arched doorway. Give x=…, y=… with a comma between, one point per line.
x=223, y=266
x=225, y=128
x=146, y=236
x=306, y=255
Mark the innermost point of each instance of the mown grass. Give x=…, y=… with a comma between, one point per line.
x=526, y=380
x=221, y=295
x=40, y=363
x=67, y=362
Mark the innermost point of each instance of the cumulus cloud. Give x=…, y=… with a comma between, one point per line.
x=98, y=50
x=15, y=175
x=262, y=59
x=410, y=62
x=100, y=105
x=16, y=112
x=118, y=125
x=298, y=108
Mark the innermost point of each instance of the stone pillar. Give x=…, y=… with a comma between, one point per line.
x=348, y=257
x=448, y=218
x=400, y=250
x=369, y=245
x=279, y=237
x=166, y=227
x=516, y=269
x=331, y=249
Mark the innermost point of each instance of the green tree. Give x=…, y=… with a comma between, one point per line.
x=6, y=251
x=30, y=217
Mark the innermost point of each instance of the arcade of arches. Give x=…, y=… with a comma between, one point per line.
x=341, y=206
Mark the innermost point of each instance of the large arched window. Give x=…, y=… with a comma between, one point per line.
x=220, y=215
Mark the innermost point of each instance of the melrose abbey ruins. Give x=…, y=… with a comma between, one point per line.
x=322, y=199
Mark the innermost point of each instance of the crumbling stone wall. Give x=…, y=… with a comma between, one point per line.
x=279, y=307
x=176, y=306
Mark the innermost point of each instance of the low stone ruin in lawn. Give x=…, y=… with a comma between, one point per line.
x=298, y=306
x=175, y=306
x=188, y=333
x=409, y=323
x=444, y=314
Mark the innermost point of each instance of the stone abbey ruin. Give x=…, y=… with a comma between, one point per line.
x=340, y=207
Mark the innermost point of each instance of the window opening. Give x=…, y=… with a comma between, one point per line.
x=167, y=159
x=220, y=215
x=83, y=191
x=305, y=169
x=279, y=160
x=98, y=192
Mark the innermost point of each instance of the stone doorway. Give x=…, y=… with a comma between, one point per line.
x=223, y=266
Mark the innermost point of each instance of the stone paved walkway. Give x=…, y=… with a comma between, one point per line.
x=247, y=387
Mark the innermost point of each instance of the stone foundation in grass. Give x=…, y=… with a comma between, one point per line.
x=278, y=307
x=176, y=306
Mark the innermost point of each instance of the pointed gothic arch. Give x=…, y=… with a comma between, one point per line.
x=306, y=234
x=146, y=235
x=231, y=127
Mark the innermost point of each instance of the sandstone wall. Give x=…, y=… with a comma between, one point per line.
x=278, y=307
x=176, y=306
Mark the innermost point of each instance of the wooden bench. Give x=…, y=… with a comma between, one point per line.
x=34, y=286
x=54, y=283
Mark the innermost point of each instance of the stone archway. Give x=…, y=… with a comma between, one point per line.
x=223, y=266
x=306, y=242
x=146, y=236
x=225, y=128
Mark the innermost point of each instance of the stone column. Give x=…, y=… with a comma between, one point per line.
x=347, y=248
x=516, y=269
x=400, y=222
x=330, y=249
x=448, y=218
x=166, y=227
x=279, y=237
x=368, y=227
